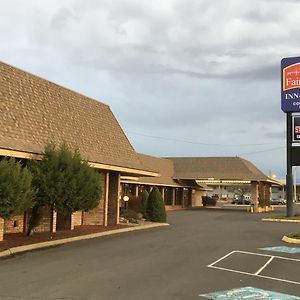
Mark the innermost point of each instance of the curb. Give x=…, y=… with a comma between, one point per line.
x=290, y=240
x=30, y=247
x=280, y=220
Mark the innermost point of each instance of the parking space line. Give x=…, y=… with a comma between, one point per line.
x=251, y=274
x=215, y=262
x=264, y=266
x=257, y=274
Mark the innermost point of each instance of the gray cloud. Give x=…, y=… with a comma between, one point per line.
x=193, y=70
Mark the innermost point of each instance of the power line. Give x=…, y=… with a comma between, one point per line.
x=200, y=143
x=261, y=151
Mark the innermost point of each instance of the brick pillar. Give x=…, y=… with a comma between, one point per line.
x=163, y=193
x=114, y=198
x=1, y=229
x=72, y=219
x=136, y=190
x=261, y=193
x=105, y=194
x=254, y=195
x=53, y=221
x=267, y=193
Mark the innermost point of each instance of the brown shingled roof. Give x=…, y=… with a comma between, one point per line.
x=234, y=168
x=165, y=168
x=34, y=112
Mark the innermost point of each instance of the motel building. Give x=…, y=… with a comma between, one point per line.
x=225, y=177
x=36, y=112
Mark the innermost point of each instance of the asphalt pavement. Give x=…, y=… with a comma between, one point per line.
x=203, y=251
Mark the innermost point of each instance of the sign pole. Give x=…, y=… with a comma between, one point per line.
x=289, y=174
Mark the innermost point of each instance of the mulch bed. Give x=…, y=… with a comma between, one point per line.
x=20, y=239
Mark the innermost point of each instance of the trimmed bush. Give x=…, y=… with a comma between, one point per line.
x=134, y=203
x=64, y=182
x=209, y=201
x=144, y=199
x=156, y=211
x=16, y=192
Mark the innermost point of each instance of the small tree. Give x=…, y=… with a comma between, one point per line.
x=16, y=193
x=155, y=207
x=64, y=182
x=144, y=199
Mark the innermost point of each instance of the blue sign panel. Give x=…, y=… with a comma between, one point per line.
x=290, y=84
x=284, y=249
x=249, y=293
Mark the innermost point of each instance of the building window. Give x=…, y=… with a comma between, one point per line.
x=178, y=196
x=168, y=196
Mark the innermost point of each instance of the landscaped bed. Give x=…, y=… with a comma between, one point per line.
x=20, y=239
x=294, y=235
x=282, y=217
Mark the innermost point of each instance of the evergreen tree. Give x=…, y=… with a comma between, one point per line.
x=64, y=182
x=16, y=193
x=144, y=198
x=155, y=207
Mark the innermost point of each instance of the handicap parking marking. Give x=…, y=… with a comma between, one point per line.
x=283, y=249
x=248, y=293
x=258, y=272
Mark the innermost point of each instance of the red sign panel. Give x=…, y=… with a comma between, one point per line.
x=296, y=129
x=291, y=77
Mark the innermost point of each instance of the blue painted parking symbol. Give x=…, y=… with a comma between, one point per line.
x=248, y=293
x=284, y=249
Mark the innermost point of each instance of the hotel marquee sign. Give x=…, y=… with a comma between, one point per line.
x=290, y=84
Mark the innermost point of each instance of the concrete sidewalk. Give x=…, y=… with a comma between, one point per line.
x=30, y=247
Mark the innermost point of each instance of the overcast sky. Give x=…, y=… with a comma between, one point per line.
x=200, y=71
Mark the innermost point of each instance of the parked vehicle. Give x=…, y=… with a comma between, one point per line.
x=277, y=201
x=241, y=201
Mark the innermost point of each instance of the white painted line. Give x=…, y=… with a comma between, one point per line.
x=268, y=255
x=264, y=266
x=215, y=262
x=260, y=276
x=257, y=274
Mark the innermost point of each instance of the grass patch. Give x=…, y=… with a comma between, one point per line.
x=294, y=235
x=282, y=217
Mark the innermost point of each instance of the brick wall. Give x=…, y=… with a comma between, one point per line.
x=46, y=218
x=77, y=218
x=14, y=225
x=197, y=198
x=96, y=215
x=113, y=198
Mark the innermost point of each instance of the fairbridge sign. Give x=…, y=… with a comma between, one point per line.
x=290, y=104
x=290, y=80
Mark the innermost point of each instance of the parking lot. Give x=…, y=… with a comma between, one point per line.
x=204, y=254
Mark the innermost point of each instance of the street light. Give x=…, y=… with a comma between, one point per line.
x=126, y=199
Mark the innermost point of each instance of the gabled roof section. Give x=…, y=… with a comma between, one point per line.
x=223, y=168
x=163, y=166
x=34, y=112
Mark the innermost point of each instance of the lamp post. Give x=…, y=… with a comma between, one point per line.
x=126, y=199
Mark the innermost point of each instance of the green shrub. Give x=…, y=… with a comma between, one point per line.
x=155, y=207
x=144, y=199
x=209, y=201
x=64, y=182
x=16, y=193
